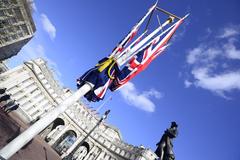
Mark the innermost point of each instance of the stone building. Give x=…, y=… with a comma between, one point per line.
x=16, y=26
x=3, y=67
x=32, y=85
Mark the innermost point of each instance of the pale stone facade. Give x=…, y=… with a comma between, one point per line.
x=3, y=67
x=32, y=85
x=16, y=26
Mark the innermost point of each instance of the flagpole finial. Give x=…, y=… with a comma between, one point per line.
x=156, y=3
x=186, y=16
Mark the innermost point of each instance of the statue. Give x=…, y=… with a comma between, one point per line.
x=165, y=147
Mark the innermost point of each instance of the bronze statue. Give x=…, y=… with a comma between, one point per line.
x=165, y=147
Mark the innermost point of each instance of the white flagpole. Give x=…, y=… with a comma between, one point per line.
x=130, y=53
x=130, y=46
x=134, y=28
x=11, y=148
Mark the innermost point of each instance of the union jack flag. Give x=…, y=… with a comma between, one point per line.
x=135, y=58
x=142, y=59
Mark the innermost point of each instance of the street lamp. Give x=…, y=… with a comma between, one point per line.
x=104, y=116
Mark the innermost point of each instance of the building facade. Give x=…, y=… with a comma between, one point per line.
x=16, y=26
x=3, y=67
x=33, y=86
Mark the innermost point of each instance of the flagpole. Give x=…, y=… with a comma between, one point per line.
x=130, y=53
x=102, y=105
x=125, y=57
x=70, y=156
x=16, y=144
x=134, y=29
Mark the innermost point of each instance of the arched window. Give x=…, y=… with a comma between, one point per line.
x=65, y=142
x=128, y=155
x=113, y=147
x=54, y=126
x=54, y=133
x=118, y=150
x=122, y=153
x=81, y=152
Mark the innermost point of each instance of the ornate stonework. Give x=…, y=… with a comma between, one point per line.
x=33, y=86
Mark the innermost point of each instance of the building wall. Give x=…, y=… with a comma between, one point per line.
x=3, y=67
x=30, y=88
x=33, y=86
x=16, y=26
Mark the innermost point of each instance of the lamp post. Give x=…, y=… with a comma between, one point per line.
x=104, y=116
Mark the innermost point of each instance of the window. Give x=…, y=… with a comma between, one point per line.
x=113, y=147
x=118, y=150
x=6, y=39
x=1, y=13
x=18, y=14
x=14, y=37
x=13, y=20
x=122, y=153
x=25, y=30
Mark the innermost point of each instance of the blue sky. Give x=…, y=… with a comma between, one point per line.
x=196, y=82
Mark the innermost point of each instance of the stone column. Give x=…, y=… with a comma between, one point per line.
x=52, y=141
x=100, y=155
x=90, y=152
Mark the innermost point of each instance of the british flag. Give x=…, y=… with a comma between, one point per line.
x=142, y=59
x=134, y=58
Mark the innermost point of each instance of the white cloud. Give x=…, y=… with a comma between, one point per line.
x=187, y=83
x=48, y=26
x=153, y=93
x=193, y=55
x=217, y=83
x=202, y=54
x=211, y=66
x=139, y=100
x=230, y=31
x=231, y=51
